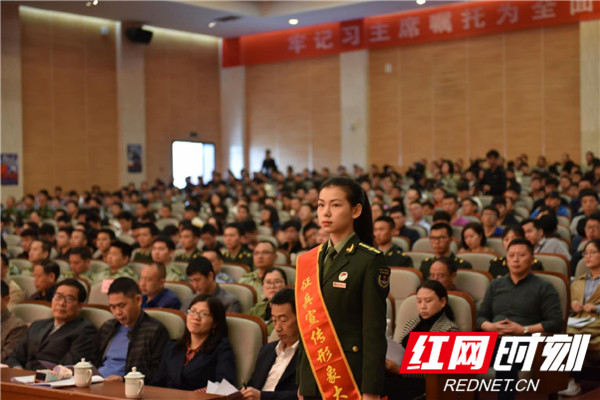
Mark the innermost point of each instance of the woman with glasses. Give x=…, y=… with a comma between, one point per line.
x=203, y=353
x=585, y=296
x=273, y=281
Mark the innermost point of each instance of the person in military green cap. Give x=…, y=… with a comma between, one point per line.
x=353, y=283
x=394, y=256
x=236, y=251
x=498, y=267
x=440, y=239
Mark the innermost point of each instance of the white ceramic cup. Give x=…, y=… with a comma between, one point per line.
x=83, y=373
x=134, y=384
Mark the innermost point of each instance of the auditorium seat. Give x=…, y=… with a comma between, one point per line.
x=96, y=314
x=282, y=257
x=403, y=282
x=402, y=241
x=418, y=256
x=474, y=282
x=554, y=263
x=21, y=264
x=246, y=294
x=290, y=274
x=12, y=240
x=581, y=268
x=96, y=296
x=127, y=239
x=495, y=243
x=235, y=271
x=270, y=238
x=479, y=261
x=162, y=223
x=64, y=266
x=423, y=244
x=173, y=320
x=247, y=334
x=183, y=290
x=97, y=265
x=30, y=310
x=561, y=284
x=25, y=282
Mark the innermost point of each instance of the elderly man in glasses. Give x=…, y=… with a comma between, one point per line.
x=64, y=339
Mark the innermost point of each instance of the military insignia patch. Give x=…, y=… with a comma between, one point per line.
x=383, y=278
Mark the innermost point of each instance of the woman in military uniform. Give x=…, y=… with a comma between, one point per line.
x=354, y=283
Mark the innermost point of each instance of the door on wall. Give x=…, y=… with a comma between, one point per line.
x=194, y=160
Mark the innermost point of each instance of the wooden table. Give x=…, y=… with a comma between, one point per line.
x=106, y=390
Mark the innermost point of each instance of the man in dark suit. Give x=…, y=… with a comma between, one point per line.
x=64, y=339
x=274, y=376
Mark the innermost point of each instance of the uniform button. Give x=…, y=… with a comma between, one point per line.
x=355, y=349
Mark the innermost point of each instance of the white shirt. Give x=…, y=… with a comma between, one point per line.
x=281, y=362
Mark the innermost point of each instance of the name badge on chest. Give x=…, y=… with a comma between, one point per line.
x=340, y=285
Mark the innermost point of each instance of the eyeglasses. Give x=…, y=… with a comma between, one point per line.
x=438, y=238
x=590, y=253
x=199, y=314
x=70, y=299
x=274, y=283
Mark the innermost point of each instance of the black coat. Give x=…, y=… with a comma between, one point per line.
x=203, y=367
x=286, y=387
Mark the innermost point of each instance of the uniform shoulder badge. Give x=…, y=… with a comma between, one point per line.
x=495, y=259
x=350, y=249
x=383, y=277
x=403, y=254
x=371, y=249
x=460, y=260
x=427, y=259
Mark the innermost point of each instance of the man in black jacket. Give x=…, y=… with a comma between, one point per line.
x=64, y=339
x=133, y=338
x=274, y=376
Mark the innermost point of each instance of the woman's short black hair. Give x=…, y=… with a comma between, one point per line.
x=475, y=227
x=441, y=293
x=217, y=310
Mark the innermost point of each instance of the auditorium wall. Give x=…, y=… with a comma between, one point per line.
x=182, y=96
x=517, y=92
x=70, y=130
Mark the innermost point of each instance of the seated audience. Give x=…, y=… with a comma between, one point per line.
x=145, y=235
x=63, y=339
x=27, y=238
x=78, y=238
x=440, y=239
x=489, y=220
x=273, y=281
x=552, y=200
x=202, y=277
x=264, y=257
x=519, y=303
x=473, y=239
x=79, y=261
x=469, y=208
x=117, y=260
x=132, y=338
x=309, y=234
x=16, y=293
x=394, y=255
x=152, y=285
x=208, y=235
x=435, y=315
x=269, y=217
x=45, y=276
x=40, y=250
x=505, y=216
x=592, y=231
x=203, y=353
x=162, y=252
x=534, y=232
x=291, y=234
x=400, y=229
x=498, y=267
x=450, y=205
x=235, y=251
x=216, y=259
x=63, y=238
x=189, y=237
x=104, y=239
x=13, y=328
x=274, y=376
x=585, y=303
x=125, y=219
x=589, y=206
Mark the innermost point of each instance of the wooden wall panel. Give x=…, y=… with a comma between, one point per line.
x=293, y=108
x=70, y=131
x=182, y=96
x=561, y=92
x=515, y=92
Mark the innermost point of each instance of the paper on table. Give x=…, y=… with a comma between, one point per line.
x=395, y=351
x=580, y=322
x=30, y=380
x=224, y=388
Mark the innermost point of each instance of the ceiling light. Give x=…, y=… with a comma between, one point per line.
x=293, y=21
x=212, y=24
x=421, y=2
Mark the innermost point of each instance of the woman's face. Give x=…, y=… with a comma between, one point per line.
x=510, y=236
x=273, y=282
x=265, y=215
x=335, y=213
x=199, y=320
x=472, y=239
x=428, y=303
x=591, y=256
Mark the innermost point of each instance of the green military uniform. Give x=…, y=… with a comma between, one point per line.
x=174, y=273
x=183, y=257
x=357, y=308
x=125, y=271
x=260, y=310
x=244, y=256
x=458, y=263
x=498, y=267
x=252, y=279
x=46, y=212
x=395, y=257
x=140, y=256
x=88, y=276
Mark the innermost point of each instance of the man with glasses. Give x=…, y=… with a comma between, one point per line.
x=440, y=239
x=133, y=338
x=64, y=339
x=202, y=277
x=264, y=257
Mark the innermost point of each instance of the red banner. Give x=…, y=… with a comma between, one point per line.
x=426, y=25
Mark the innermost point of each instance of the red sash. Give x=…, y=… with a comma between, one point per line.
x=321, y=344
